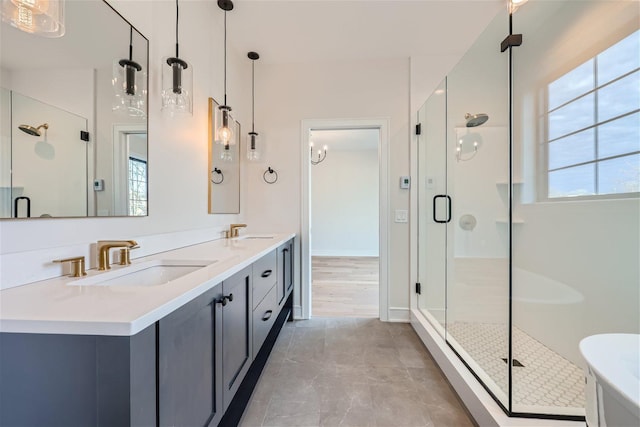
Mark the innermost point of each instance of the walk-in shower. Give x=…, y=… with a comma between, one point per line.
x=529, y=224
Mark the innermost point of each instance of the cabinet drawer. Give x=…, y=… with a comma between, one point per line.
x=264, y=317
x=264, y=276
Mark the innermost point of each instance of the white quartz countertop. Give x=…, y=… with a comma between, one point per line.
x=58, y=306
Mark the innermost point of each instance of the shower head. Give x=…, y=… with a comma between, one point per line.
x=474, y=120
x=33, y=131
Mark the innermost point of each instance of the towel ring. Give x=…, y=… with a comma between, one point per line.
x=270, y=172
x=219, y=172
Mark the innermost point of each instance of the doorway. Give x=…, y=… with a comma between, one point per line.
x=344, y=222
x=344, y=261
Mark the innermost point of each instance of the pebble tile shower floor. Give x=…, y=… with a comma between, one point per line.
x=546, y=379
x=348, y=372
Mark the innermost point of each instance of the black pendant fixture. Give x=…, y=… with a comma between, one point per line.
x=129, y=84
x=177, y=81
x=225, y=132
x=253, y=146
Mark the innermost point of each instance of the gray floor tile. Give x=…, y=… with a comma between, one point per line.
x=353, y=372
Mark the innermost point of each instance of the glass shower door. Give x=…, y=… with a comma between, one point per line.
x=477, y=159
x=432, y=182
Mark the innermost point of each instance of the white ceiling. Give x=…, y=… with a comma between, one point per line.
x=281, y=31
x=336, y=30
x=346, y=139
x=87, y=43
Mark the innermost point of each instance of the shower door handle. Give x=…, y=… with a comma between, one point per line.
x=435, y=199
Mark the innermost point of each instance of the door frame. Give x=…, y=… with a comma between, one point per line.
x=382, y=124
x=120, y=180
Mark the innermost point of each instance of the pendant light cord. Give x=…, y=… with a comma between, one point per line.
x=177, y=11
x=131, y=43
x=225, y=57
x=253, y=95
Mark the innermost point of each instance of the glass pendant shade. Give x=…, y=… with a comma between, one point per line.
x=41, y=17
x=177, y=86
x=224, y=134
x=226, y=154
x=130, y=87
x=515, y=4
x=253, y=146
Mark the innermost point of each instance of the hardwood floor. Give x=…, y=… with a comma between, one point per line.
x=345, y=286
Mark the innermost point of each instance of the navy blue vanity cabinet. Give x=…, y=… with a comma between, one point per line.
x=190, y=362
x=237, y=331
x=78, y=380
x=285, y=271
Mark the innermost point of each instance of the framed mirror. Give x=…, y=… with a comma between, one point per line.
x=224, y=165
x=73, y=118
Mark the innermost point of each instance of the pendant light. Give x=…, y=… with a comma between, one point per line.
x=177, y=81
x=130, y=85
x=225, y=132
x=253, y=148
x=41, y=17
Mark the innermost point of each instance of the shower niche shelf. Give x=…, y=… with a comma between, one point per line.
x=506, y=221
x=506, y=182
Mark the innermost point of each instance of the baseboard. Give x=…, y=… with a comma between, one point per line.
x=400, y=315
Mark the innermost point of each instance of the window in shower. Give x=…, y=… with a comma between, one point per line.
x=593, y=125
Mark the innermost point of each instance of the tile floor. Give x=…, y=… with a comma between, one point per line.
x=546, y=379
x=352, y=372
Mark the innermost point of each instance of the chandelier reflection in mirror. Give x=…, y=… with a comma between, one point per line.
x=130, y=85
x=320, y=155
x=471, y=140
x=177, y=81
x=40, y=17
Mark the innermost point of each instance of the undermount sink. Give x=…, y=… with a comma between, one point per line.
x=255, y=236
x=614, y=363
x=151, y=273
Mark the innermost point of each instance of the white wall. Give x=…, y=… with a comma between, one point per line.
x=288, y=93
x=177, y=153
x=592, y=246
x=344, y=204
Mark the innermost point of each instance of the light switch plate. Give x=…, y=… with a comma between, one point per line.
x=430, y=183
x=405, y=182
x=402, y=215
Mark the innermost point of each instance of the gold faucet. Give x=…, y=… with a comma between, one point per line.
x=77, y=264
x=233, y=230
x=105, y=245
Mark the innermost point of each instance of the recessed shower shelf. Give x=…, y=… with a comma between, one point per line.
x=506, y=221
x=507, y=182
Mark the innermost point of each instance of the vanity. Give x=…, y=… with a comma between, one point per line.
x=175, y=339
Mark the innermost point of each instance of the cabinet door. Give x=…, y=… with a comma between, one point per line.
x=285, y=272
x=236, y=332
x=189, y=342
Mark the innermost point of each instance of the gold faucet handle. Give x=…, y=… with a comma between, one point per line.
x=234, y=229
x=77, y=263
x=125, y=258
